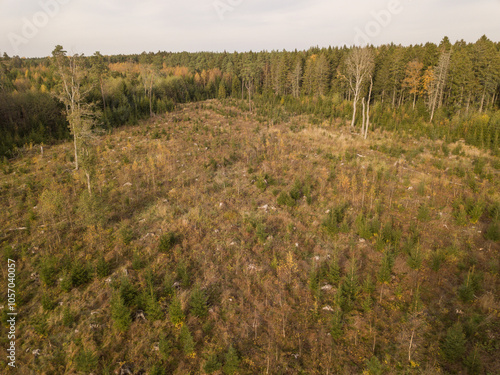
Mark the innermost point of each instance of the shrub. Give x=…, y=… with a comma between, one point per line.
x=437, y=258
x=68, y=318
x=334, y=218
x=81, y=273
x=48, y=302
x=470, y=286
x=92, y=209
x=138, y=261
x=459, y=212
x=261, y=233
x=66, y=283
x=212, y=364
x=475, y=210
x=264, y=181
x=168, y=241
x=415, y=258
x=128, y=292
x=158, y=369
x=103, y=268
x=367, y=229
x=374, y=367
x=127, y=234
x=424, y=213
x=492, y=233
x=285, y=200
x=86, y=361
x=48, y=271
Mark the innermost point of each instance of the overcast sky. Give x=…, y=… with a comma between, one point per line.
x=33, y=27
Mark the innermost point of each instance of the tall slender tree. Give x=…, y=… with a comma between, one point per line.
x=358, y=71
x=72, y=92
x=413, y=77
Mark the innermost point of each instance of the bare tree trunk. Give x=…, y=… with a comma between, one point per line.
x=354, y=110
x=364, y=118
x=88, y=183
x=76, y=150
x=411, y=343
x=482, y=100
x=151, y=96
x=102, y=94
x=368, y=109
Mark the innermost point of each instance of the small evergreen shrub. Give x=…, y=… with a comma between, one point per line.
x=168, y=241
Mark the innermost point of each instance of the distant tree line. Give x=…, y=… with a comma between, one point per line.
x=446, y=90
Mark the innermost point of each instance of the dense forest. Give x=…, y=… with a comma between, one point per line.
x=446, y=91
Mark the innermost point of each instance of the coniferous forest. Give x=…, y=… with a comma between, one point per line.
x=329, y=211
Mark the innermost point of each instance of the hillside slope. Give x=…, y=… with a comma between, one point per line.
x=215, y=242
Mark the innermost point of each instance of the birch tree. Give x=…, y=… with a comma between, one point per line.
x=72, y=94
x=358, y=70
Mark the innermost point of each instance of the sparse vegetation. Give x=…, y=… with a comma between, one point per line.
x=213, y=251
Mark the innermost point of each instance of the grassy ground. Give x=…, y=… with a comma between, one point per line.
x=216, y=242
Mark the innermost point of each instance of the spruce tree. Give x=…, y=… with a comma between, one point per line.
x=186, y=341
x=120, y=313
x=454, y=343
x=175, y=312
x=232, y=361
x=198, y=303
